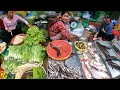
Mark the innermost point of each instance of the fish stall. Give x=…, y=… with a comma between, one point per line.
x=110, y=53
x=83, y=61
x=32, y=55
x=92, y=64
x=65, y=66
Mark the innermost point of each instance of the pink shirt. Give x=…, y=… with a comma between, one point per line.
x=13, y=23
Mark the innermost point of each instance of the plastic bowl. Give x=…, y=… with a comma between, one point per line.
x=12, y=41
x=81, y=50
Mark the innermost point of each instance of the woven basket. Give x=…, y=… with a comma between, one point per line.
x=30, y=72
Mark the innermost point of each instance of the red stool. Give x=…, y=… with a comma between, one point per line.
x=1, y=24
x=116, y=33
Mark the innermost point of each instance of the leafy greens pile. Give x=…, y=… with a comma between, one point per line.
x=25, y=27
x=9, y=67
x=34, y=36
x=27, y=53
x=30, y=51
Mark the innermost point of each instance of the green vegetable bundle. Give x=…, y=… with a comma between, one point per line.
x=27, y=53
x=39, y=73
x=10, y=65
x=34, y=36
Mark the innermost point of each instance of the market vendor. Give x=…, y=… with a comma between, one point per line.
x=12, y=24
x=58, y=29
x=105, y=31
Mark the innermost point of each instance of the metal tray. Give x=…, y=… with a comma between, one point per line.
x=78, y=60
x=73, y=61
x=101, y=61
x=101, y=58
x=114, y=72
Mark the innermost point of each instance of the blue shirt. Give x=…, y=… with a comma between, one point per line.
x=108, y=29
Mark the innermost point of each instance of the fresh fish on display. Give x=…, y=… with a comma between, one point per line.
x=86, y=72
x=106, y=47
x=98, y=74
x=109, y=58
x=85, y=56
x=56, y=49
x=94, y=74
x=92, y=67
x=58, y=70
x=99, y=67
x=116, y=49
x=114, y=65
x=104, y=51
x=112, y=59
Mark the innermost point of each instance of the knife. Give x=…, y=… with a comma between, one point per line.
x=56, y=49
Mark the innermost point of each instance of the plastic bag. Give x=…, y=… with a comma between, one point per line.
x=85, y=23
x=78, y=31
x=86, y=15
x=99, y=16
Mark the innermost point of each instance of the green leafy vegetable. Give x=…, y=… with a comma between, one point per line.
x=10, y=65
x=38, y=73
x=27, y=53
x=34, y=36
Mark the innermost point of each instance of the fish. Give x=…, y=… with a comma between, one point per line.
x=116, y=49
x=94, y=74
x=58, y=70
x=98, y=66
x=104, y=51
x=86, y=72
x=106, y=47
x=57, y=50
x=112, y=58
x=114, y=65
x=85, y=56
x=99, y=74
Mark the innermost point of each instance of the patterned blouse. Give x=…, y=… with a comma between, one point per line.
x=58, y=27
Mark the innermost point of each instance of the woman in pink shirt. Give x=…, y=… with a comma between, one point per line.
x=11, y=23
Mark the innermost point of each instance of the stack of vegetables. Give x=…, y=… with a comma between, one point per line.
x=30, y=51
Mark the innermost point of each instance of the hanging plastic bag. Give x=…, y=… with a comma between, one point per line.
x=101, y=16
x=85, y=23
x=86, y=15
x=78, y=31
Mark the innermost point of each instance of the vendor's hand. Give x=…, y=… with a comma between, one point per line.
x=103, y=30
x=95, y=36
x=9, y=30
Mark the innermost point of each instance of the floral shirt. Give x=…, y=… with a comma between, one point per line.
x=58, y=27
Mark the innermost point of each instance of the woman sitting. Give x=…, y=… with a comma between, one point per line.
x=12, y=26
x=58, y=29
x=105, y=31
